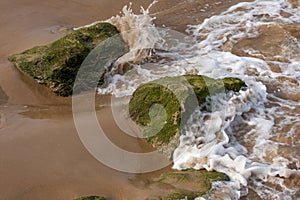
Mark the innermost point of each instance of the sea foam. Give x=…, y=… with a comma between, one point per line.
x=253, y=135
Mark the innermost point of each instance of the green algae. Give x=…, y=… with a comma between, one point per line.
x=185, y=195
x=56, y=65
x=91, y=198
x=202, y=178
x=179, y=96
x=189, y=184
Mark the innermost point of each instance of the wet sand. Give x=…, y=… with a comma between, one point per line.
x=41, y=156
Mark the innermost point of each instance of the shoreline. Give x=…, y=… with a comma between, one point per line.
x=41, y=154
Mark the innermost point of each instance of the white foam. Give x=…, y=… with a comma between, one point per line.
x=225, y=153
x=237, y=138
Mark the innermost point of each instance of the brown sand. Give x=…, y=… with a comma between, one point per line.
x=41, y=156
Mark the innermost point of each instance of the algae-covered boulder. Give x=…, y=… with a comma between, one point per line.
x=188, y=184
x=91, y=198
x=56, y=65
x=162, y=106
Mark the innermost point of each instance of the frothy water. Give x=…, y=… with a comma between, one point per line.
x=253, y=136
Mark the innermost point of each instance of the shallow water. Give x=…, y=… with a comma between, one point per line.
x=256, y=141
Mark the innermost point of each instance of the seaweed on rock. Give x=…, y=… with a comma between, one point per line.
x=56, y=65
x=163, y=106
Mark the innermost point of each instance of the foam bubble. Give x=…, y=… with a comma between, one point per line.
x=253, y=135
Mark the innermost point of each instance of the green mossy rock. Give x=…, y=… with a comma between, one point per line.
x=183, y=195
x=178, y=97
x=188, y=184
x=56, y=65
x=91, y=198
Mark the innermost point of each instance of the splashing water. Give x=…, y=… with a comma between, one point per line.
x=252, y=136
x=138, y=31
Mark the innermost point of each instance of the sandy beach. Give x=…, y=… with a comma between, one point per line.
x=41, y=155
